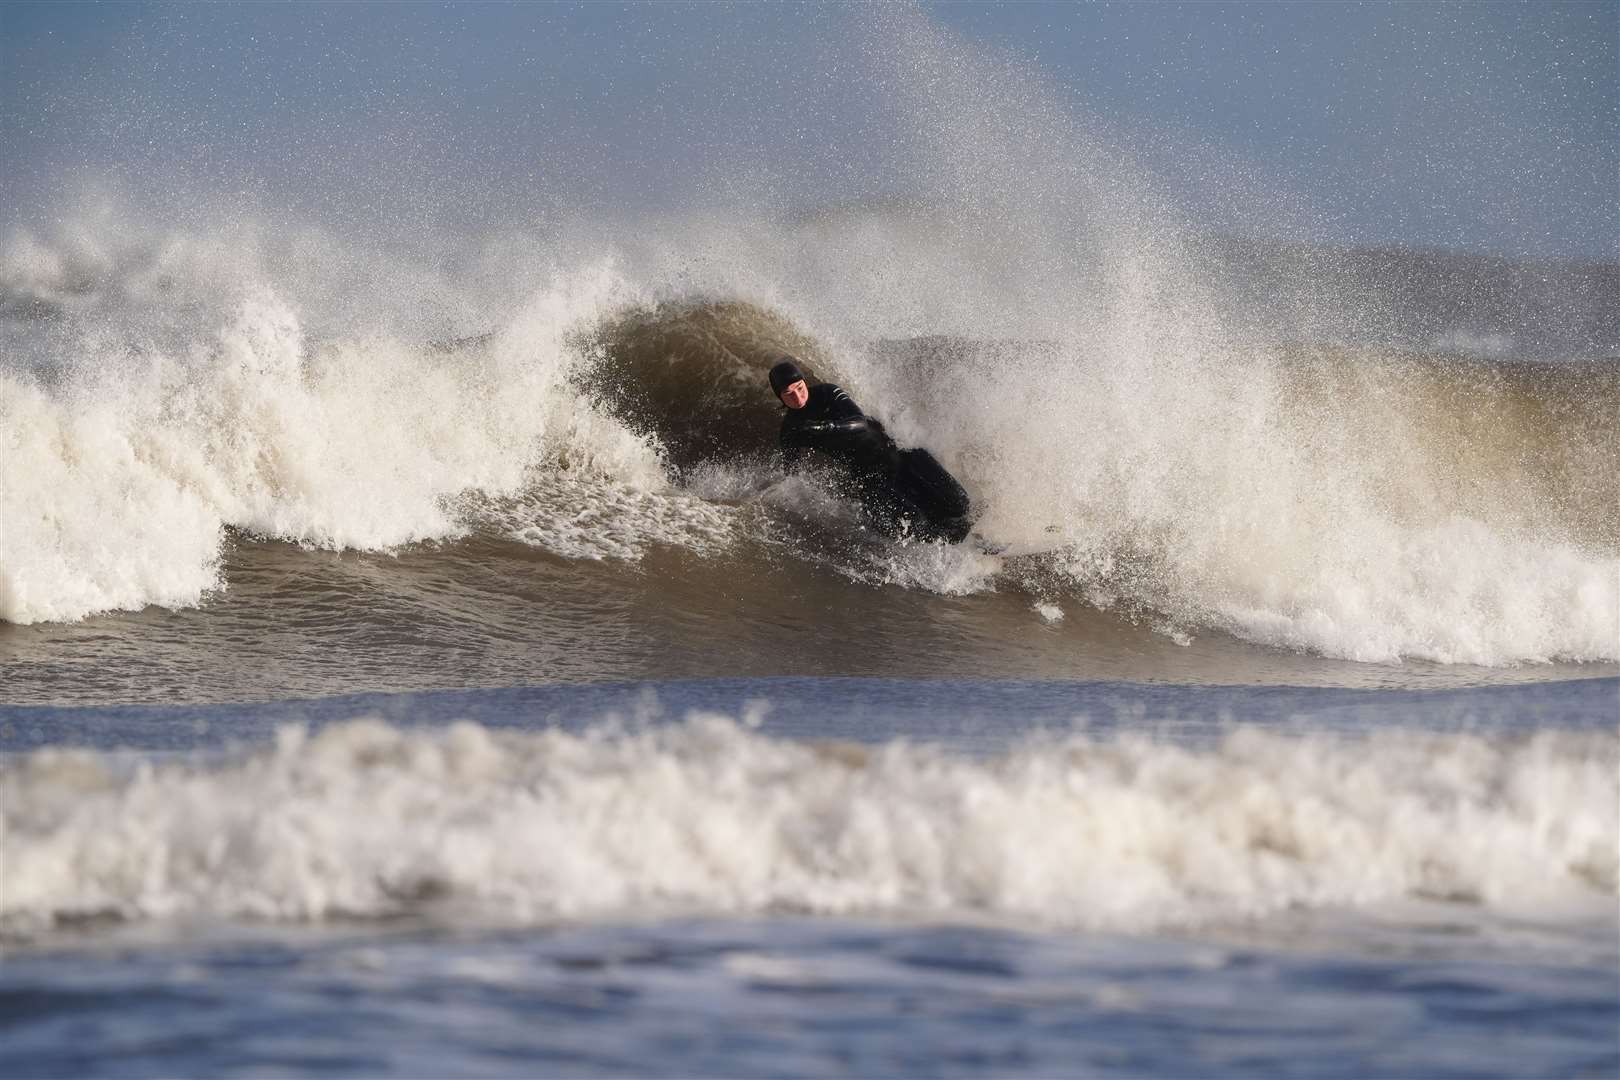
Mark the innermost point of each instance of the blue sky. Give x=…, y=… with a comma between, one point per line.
x=1479, y=126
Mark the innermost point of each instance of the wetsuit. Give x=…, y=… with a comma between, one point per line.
x=904, y=492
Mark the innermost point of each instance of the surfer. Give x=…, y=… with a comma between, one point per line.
x=903, y=492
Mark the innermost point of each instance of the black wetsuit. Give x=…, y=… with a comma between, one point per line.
x=904, y=492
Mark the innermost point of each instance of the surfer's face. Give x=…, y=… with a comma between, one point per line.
x=795, y=394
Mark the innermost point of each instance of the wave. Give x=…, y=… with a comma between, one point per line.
x=125, y=470
x=1281, y=443
x=1358, y=504
x=1361, y=504
x=364, y=820
x=1520, y=443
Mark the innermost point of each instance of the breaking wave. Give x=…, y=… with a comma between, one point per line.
x=1353, y=503
x=369, y=821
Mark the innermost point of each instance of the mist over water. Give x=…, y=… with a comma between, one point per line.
x=1369, y=463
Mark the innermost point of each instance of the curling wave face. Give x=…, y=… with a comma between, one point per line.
x=365, y=820
x=1362, y=504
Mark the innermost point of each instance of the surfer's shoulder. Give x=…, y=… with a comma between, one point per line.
x=832, y=396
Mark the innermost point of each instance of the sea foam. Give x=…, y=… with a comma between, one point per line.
x=122, y=474
x=366, y=820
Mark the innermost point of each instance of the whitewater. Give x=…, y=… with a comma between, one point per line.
x=367, y=820
x=570, y=872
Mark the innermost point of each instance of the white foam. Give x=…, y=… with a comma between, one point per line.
x=708, y=816
x=594, y=517
x=947, y=569
x=121, y=476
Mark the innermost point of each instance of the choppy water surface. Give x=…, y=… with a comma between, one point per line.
x=795, y=997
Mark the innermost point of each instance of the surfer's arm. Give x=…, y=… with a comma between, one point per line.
x=830, y=436
x=839, y=427
x=853, y=425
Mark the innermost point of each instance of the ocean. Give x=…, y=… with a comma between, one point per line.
x=414, y=662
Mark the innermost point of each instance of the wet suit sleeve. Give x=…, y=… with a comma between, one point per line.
x=831, y=416
x=832, y=423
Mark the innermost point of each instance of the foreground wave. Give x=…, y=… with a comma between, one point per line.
x=364, y=820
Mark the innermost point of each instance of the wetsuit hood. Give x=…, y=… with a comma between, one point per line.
x=784, y=375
